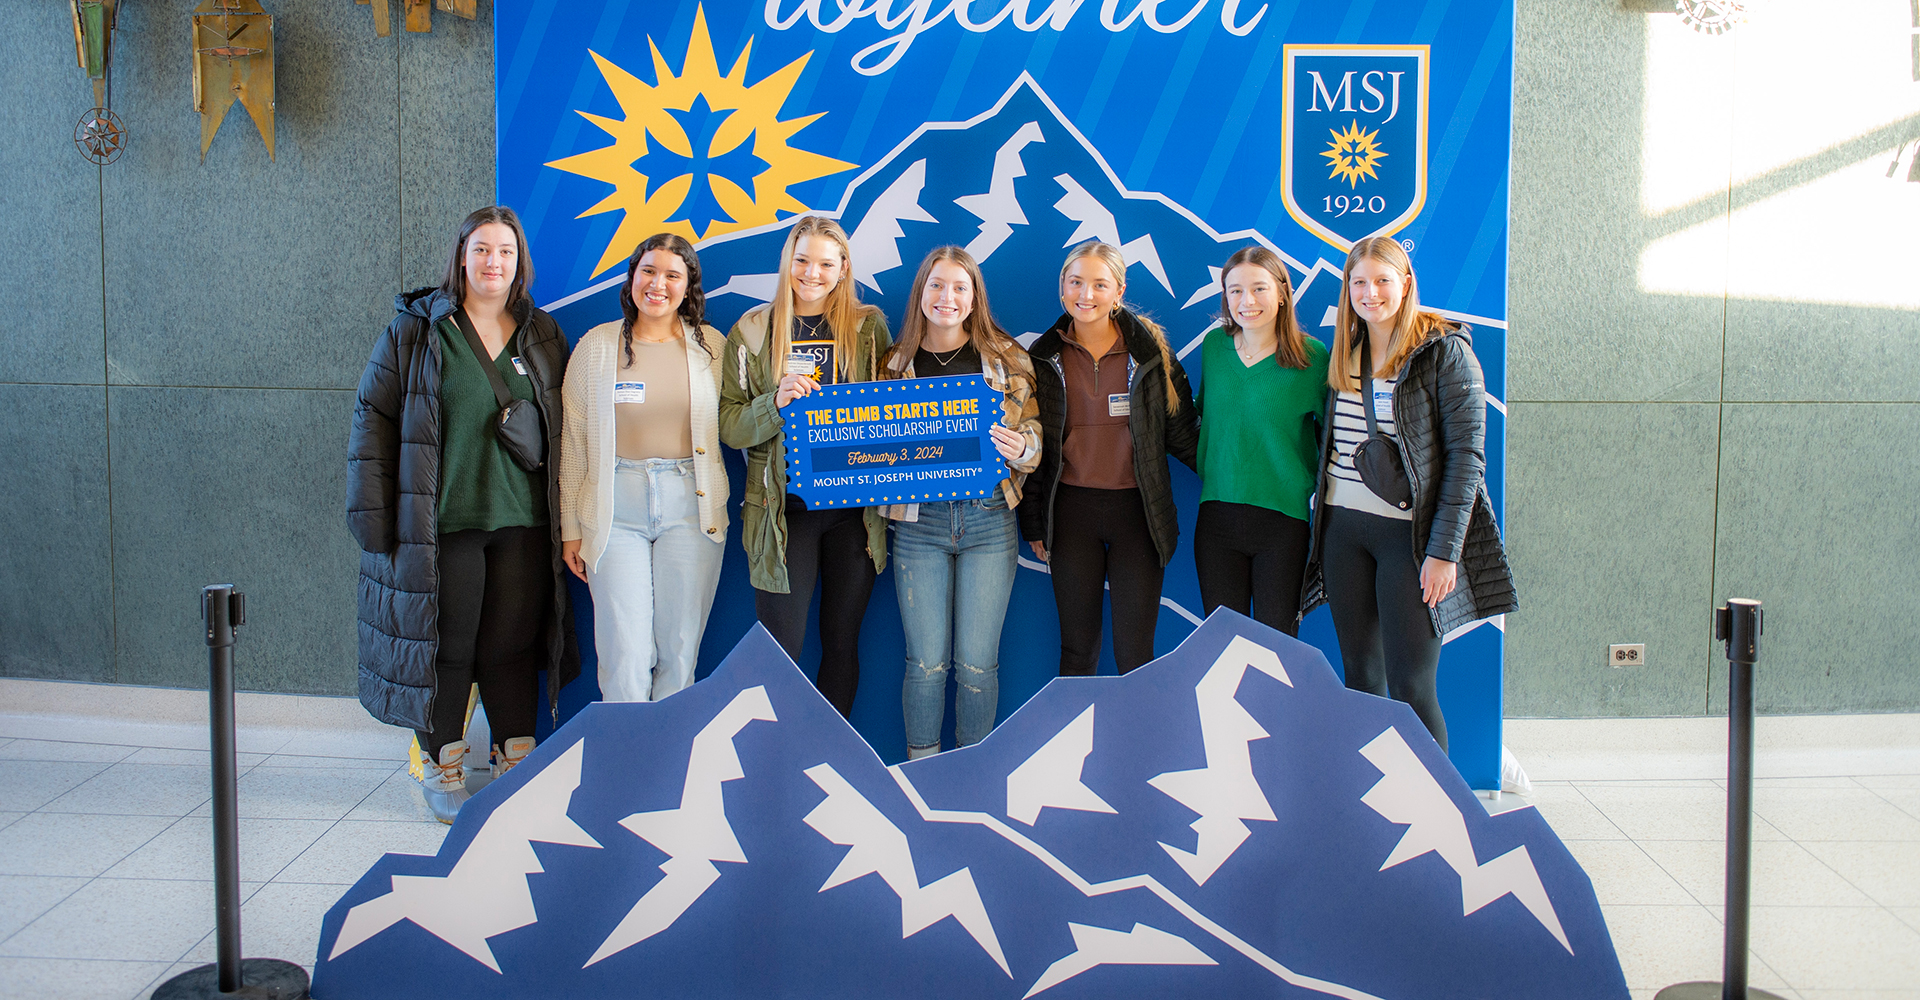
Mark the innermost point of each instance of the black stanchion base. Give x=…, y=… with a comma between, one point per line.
x=1678, y=991
x=260, y=979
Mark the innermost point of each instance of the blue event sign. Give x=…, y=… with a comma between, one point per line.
x=859, y=444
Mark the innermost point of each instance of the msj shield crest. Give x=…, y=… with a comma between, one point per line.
x=1354, y=150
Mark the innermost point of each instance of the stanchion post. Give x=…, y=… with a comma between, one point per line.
x=223, y=609
x=1738, y=624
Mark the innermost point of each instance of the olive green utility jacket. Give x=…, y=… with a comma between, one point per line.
x=749, y=419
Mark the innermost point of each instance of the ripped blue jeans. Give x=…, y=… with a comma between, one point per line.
x=953, y=573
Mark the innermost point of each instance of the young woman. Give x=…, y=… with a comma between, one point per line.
x=1263, y=390
x=1402, y=572
x=1114, y=404
x=815, y=332
x=643, y=493
x=460, y=554
x=954, y=560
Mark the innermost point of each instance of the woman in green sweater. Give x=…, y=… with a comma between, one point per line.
x=1263, y=390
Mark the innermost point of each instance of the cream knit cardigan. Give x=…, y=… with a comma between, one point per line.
x=587, y=432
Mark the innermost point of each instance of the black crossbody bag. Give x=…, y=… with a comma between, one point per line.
x=520, y=431
x=1377, y=459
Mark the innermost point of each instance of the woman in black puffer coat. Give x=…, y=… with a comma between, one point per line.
x=1402, y=571
x=460, y=563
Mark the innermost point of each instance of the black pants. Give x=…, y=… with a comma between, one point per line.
x=1251, y=559
x=1386, y=635
x=496, y=591
x=828, y=546
x=1101, y=540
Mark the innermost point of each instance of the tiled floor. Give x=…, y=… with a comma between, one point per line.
x=105, y=882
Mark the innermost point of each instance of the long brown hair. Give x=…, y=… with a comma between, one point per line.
x=455, y=282
x=1411, y=328
x=844, y=312
x=1290, y=343
x=693, y=308
x=1109, y=255
x=989, y=340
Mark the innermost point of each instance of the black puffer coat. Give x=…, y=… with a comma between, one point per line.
x=393, y=503
x=1440, y=413
x=1156, y=434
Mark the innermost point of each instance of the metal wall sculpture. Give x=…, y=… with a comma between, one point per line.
x=232, y=61
x=419, y=13
x=98, y=135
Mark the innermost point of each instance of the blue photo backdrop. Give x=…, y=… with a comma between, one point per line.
x=1179, y=130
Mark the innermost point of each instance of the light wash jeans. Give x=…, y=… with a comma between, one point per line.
x=655, y=582
x=953, y=572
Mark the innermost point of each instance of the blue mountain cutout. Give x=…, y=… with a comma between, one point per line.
x=700, y=209
x=1226, y=821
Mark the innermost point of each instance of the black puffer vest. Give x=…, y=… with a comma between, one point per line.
x=1440, y=412
x=1157, y=435
x=393, y=503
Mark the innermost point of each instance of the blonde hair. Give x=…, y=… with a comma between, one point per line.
x=1411, y=328
x=1109, y=255
x=1290, y=347
x=844, y=313
x=988, y=339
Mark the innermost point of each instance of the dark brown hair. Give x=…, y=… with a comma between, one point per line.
x=989, y=341
x=693, y=308
x=455, y=283
x=1290, y=343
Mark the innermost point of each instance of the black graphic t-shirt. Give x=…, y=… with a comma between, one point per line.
x=965, y=361
x=812, y=337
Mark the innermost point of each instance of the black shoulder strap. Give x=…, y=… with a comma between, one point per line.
x=500, y=393
x=1366, y=378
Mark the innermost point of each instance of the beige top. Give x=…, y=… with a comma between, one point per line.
x=652, y=412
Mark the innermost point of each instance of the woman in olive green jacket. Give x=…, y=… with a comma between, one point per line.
x=815, y=332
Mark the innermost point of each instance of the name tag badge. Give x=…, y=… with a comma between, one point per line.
x=629, y=392
x=1119, y=404
x=1383, y=404
x=519, y=366
x=800, y=363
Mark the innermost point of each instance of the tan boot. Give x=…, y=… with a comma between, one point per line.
x=512, y=754
x=444, y=783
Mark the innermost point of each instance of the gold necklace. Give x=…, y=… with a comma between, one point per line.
x=949, y=358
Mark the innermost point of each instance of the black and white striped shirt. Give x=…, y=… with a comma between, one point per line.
x=1344, y=486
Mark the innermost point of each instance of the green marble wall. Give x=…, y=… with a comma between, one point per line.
x=190, y=333
x=1714, y=388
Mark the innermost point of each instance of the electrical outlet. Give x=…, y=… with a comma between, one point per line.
x=1632, y=654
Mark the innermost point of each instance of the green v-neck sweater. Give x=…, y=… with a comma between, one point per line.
x=480, y=486
x=1257, y=443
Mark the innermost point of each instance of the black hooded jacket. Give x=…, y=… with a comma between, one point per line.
x=1440, y=413
x=1156, y=433
x=393, y=503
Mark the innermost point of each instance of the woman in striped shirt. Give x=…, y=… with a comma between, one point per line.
x=1403, y=568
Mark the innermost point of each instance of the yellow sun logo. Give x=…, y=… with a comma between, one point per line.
x=698, y=153
x=1353, y=154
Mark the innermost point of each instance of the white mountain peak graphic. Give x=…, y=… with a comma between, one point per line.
x=1408, y=794
x=877, y=847
x=486, y=893
x=697, y=833
x=999, y=208
x=1224, y=792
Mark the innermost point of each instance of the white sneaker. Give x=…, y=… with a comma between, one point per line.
x=444, y=784
x=512, y=754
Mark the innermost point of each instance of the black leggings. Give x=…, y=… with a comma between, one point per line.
x=1250, y=559
x=496, y=591
x=1386, y=634
x=828, y=546
x=1100, y=540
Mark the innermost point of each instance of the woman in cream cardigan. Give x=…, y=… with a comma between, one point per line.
x=643, y=493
